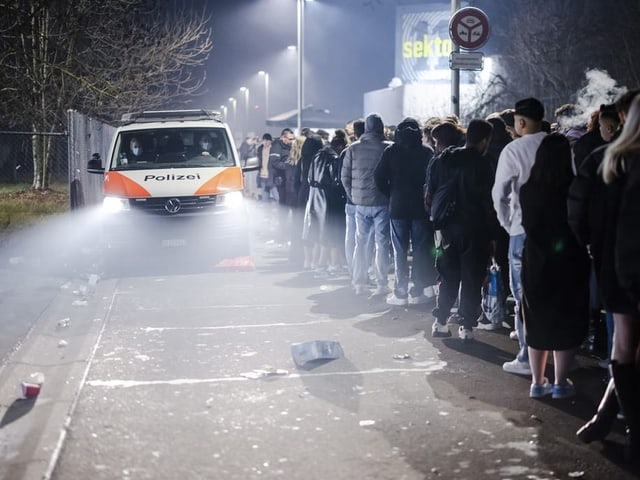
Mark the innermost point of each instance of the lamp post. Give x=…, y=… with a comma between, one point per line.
x=245, y=91
x=234, y=125
x=233, y=102
x=264, y=74
x=300, y=23
x=223, y=109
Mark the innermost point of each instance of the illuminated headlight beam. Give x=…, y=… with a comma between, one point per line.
x=114, y=204
x=231, y=200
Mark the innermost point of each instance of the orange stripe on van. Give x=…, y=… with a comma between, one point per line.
x=121, y=186
x=229, y=180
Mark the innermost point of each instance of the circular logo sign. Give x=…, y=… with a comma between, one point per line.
x=469, y=28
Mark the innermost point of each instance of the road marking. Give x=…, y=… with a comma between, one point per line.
x=236, y=327
x=195, y=381
x=219, y=307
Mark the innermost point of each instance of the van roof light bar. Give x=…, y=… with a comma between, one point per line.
x=169, y=116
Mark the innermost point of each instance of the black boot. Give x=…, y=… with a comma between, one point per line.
x=626, y=379
x=600, y=425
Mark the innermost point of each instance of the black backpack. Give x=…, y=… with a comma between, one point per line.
x=444, y=200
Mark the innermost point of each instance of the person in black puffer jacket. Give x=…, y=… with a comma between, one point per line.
x=400, y=175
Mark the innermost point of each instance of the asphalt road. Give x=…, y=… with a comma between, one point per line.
x=181, y=369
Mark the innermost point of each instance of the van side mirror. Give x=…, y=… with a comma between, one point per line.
x=252, y=164
x=95, y=164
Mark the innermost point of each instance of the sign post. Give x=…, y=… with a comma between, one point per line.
x=469, y=29
x=455, y=74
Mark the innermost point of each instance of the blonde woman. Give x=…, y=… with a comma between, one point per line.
x=621, y=172
x=292, y=187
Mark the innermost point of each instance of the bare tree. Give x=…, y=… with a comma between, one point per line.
x=99, y=57
x=546, y=46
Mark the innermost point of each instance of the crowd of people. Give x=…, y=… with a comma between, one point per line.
x=556, y=207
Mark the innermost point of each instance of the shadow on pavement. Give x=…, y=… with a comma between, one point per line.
x=342, y=390
x=16, y=410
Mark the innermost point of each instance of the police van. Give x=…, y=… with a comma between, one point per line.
x=174, y=179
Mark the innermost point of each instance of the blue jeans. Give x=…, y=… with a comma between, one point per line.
x=516, y=245
x=269, y=193
x=404, y=232
x=350, y=234
x=371, y=220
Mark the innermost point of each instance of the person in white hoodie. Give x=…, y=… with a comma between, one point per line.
x=514, y=167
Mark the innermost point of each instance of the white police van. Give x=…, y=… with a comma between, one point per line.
x=174, y=179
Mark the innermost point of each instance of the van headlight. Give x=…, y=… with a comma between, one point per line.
x=230, y=200
x=115, y=204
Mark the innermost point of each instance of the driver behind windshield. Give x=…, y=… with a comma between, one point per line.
x=211, y=148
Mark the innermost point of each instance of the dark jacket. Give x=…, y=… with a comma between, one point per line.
x=474, y=207
x=309, y=148
x=278, y=157
x=401, y=172
x=555, y=271
x=627, y=258
x=283, y=172
x=325, y=194
x=592, y=212
x=360, y=161
x=584, y=146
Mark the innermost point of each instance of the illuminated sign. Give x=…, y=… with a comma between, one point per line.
x=423, y=44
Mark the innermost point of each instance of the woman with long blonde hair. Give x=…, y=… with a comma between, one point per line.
x=621, y=172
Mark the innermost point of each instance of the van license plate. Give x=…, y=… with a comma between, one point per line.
x=174, y=242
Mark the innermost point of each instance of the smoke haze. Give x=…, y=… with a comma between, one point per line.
x=600, y=89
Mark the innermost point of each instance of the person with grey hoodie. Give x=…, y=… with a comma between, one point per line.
x=372, y=207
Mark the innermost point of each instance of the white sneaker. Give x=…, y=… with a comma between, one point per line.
x=465, y=334
x=517, y=367
x=361, y=290
x=399, y=301
x=429, y=291
x=485, y=324
x=418, y=300
x=381, y=290
x=439, y=330
x=513, y=335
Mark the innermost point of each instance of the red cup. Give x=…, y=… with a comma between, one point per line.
x=30, y=390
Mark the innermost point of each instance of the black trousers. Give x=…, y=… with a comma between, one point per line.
x=462, y=265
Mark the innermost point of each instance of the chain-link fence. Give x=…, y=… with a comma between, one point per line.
x=69, y=154
x=17, y=162
x=87, y=136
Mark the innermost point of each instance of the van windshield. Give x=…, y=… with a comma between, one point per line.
x=172, y=147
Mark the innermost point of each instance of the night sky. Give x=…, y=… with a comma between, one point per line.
x=349, y=50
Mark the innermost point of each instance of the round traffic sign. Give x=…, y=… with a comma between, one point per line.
x=469, y=28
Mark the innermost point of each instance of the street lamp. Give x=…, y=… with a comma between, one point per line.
x=300, y=24
x=234, y=102
x=245, y=91
x=266, y=93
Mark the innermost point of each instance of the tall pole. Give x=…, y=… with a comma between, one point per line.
x=300, y=58
x=234, y=126
x=245, y=91
x=266, y=94
x=455, y=73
